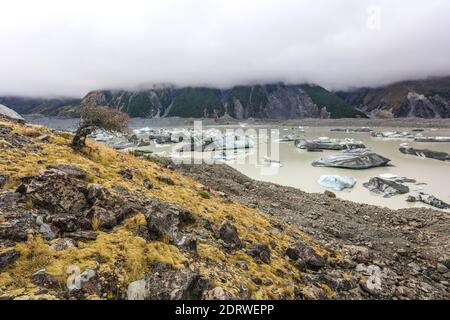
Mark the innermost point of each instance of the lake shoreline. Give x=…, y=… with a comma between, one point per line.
x=310, y=122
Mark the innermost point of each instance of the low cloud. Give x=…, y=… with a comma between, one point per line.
x=71, y=47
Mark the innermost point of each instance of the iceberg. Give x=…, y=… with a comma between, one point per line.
x=337, y=182
x=353, y=159
x=325, y=143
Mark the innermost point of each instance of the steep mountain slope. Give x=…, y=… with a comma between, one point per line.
x=44, y=106
x=241, y=102
x=428, y=98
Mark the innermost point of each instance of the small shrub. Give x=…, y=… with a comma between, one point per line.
x=204, y=194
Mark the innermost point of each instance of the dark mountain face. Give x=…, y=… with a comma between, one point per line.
x=423, y=98
x=44, y=106
x=241, y=102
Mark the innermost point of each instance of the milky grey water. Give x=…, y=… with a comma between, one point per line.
x=296, y=169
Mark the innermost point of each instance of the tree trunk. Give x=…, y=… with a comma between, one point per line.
x=79, y=139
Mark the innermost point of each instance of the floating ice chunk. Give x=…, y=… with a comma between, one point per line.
x=388, y=176
x=337, y=182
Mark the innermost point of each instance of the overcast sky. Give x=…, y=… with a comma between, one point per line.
x=55, y=47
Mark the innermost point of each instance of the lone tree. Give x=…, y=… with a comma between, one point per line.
x=93, y=118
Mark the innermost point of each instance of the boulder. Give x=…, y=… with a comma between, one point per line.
x=148, y=184
x=388, y=188
x=166, y=283
x=8, y=257
x=95, y=192
x=260, y=253
x=104, y=218
x=310, y=292
x=17, y=219
x=62, y=244
x=3, y=179
x=42, y=279
x=425, y=153
x=228, y=233
x=218, y=293
x=126, y=173
x=305, y=257
x=353, y=159
x=81, y=235
x=330, y=194
x=166, y=180
x=137, y=290
x=165, y=221
x=8, y=113
x=337, y=182
x=55, y=191
x=69, y=170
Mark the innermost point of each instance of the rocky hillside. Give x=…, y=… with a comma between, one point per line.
x=45, y=106
x=259, y=101
x=423, y=98
x=104, y=225
x=101, y=224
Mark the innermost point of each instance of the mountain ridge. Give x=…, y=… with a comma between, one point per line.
x=426, y=98
x=265, y=101
x=240, y=102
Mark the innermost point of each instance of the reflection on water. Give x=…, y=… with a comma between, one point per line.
x=296, y=170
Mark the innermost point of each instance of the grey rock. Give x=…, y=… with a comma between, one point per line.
x=70, y=170
x=126, y=173
x=106, y=219
x=165, y=222
x=165, y=283
x=148, y=183
x=10, y=114
x=42, y=279
x=8, y=257
x=81, y=235
x=305, y=256
x=441, y=268
x=260, y=252
x=47, y=232
x=3, y=179
x=95, y=192
x=62, y=244
x=228, y=233
x=166, y=180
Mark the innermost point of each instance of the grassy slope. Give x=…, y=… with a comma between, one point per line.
x=191, y=102
x=335, y=105
x=102, y=165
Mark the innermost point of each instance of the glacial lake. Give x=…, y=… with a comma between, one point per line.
x=432, y=176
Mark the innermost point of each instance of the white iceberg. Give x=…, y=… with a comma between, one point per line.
x=338, y=183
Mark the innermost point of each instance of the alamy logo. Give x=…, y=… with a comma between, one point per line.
x=253, y=146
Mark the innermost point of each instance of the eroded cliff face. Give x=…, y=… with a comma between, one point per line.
x=260, y=101
x=423, y=99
